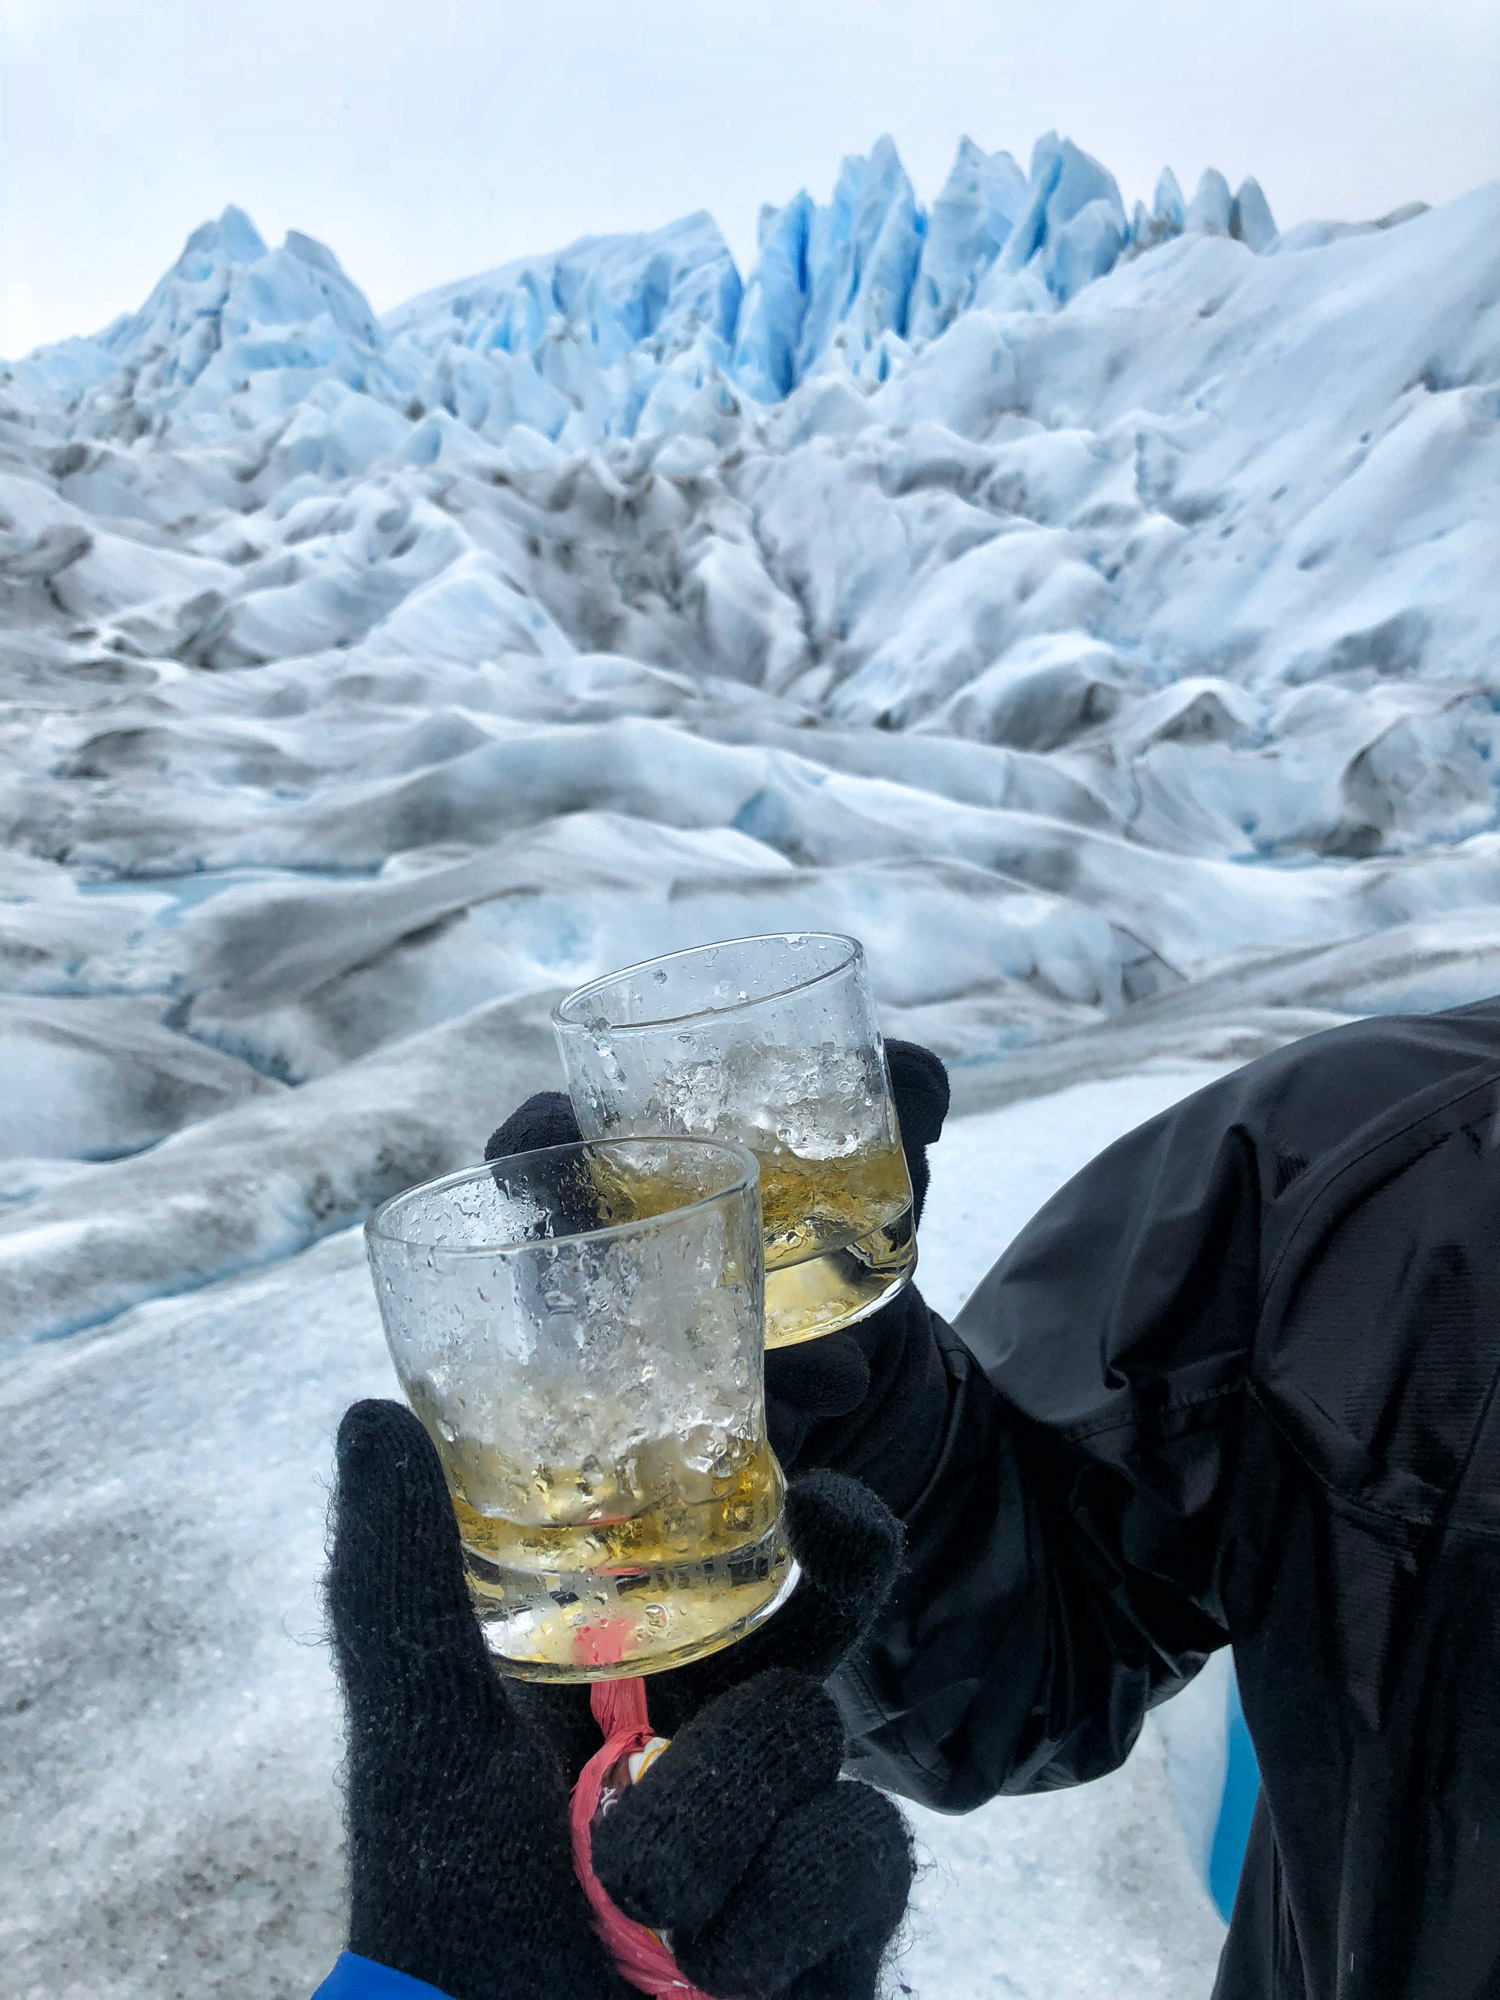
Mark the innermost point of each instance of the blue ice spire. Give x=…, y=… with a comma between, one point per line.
x=862, y=256
x=1073, y=226
x=1208, y=211
x=967, y=229
x=775, y=303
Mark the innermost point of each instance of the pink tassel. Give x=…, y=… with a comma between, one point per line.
x=639, y=1954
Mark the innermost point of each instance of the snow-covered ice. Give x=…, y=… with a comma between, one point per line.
x=1077, y=607
x=1090, y=604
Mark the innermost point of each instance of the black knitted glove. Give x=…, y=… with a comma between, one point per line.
x=460, y=1867
x=775, y=1879
x=869, y=1401
x=460, y=1864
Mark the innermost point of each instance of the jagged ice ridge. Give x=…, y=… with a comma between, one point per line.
x=1093, y=613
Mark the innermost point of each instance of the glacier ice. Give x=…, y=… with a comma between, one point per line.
x=1084, y=637
x=1210, y=208
x=1250, y=217
x=969, y=225
x=95, y=1077
x=257, y=1181
x=1092, y=610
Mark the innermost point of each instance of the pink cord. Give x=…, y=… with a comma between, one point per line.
x=639, y=1954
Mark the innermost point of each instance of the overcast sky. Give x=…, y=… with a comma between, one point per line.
x=427, y=139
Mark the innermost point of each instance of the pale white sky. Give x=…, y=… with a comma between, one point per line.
x=427, y=139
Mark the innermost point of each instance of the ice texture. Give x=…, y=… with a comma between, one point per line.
x=784, y=1052
x=816, y=1100
x=526, y=1345
x=257, y=1182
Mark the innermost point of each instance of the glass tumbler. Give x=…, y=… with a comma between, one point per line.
x=772, y=1041
x=579, y=1331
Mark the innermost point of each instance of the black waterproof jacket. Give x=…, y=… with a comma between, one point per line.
x=1238, y=1382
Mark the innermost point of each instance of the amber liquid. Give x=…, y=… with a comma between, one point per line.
x=597, y=1580
x=839, y=1240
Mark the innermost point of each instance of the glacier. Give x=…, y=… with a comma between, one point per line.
x=1090, y=605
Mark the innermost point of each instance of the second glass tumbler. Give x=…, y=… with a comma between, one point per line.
x=579, y=1329
x=774, y=1042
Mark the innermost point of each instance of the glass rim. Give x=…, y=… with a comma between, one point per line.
x=748, y=1176
x=561, y=1021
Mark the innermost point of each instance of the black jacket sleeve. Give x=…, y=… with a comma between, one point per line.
x=1073, y=1548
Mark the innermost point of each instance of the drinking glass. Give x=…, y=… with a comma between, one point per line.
x=579, y=1330
x=772, y=1041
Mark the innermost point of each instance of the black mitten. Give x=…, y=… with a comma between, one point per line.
x=797, y=1890
x=460, y=1865
x=776, y=1879
x=547, y=1119
x=872, y=1400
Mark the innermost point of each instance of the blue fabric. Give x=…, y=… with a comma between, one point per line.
x=355, y=1978
x=1236, y=1806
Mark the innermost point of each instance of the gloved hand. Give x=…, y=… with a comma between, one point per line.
x=871, y=1400
x=460, y=1866
x=778, y=1881
x=774, y=1880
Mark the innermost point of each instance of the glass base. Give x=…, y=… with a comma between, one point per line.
x=838, y=1288
x=594, y=1627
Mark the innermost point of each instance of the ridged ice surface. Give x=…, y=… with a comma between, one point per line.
x=1068, y=640
x=1094, y=614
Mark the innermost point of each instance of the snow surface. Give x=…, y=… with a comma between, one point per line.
x=1091, y=608
x=171, y=1725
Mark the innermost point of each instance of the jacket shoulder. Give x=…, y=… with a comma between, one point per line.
x=1311, y=1098
x=1377, y=1348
